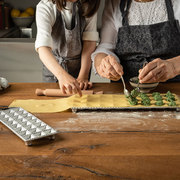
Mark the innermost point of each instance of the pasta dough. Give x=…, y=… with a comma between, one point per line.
x=95, y=100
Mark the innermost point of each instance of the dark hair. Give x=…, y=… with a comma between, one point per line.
x=88, y=7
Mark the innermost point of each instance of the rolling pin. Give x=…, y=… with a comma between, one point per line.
x=57, y=92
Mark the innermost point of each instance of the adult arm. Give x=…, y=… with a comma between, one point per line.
x=105, y=61
x=162, y=70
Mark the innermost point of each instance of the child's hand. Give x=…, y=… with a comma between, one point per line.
x=69, y=85
x=84, y=83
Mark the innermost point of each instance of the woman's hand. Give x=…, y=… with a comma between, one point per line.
x=110, y=68
x=69, y=85
x=84, y=83
x=157, y=71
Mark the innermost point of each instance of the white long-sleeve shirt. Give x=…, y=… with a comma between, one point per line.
x=139, y=14
x=46, y=17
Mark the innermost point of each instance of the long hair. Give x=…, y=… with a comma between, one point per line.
x=88, y=7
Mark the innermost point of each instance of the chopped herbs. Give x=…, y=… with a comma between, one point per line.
x=159, y=103
x=132, y=100
x=155, y=94
x=170, y=98
x=158, y=98
x=146, y=100
x=143, y=95
x=168, y=94
x=172, y=103
x=135, y=92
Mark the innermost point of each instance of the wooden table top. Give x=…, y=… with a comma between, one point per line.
x=125, y=145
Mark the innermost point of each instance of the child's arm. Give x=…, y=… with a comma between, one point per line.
x=67, y=83
x=88, y=48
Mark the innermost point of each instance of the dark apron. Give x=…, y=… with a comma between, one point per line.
x=67, y=44
x=143, y=43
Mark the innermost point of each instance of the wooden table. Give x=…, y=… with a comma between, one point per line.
x=95, y=145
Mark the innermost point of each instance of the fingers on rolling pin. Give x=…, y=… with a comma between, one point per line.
x=90, y=85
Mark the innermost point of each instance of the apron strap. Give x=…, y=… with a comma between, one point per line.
x=79, y=6
x=74, y=14
x=76, y=4
x=124, y=8
x=170, y=10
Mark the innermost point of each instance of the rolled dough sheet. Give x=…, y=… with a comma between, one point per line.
x=95, y=100
x=42, y=106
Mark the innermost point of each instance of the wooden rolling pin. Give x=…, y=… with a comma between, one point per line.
x=57, y=92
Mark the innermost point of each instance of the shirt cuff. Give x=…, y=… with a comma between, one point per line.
x=90, y=36
x=102, y=50
x=43, y=42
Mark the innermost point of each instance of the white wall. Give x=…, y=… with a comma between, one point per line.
x=19, y=62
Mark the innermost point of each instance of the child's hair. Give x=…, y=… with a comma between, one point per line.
x=89, y=7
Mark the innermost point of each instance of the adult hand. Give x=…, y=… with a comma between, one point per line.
x=109, y=68
x=69, y=85
x=157, y=70
x=84, y=83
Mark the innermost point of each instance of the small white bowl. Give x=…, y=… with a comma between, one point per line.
x=145, y=87
x=23, y=21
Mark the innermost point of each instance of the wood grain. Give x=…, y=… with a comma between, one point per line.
x=95, y=167
x=124, y=145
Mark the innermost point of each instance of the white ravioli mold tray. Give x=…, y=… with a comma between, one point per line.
x=25, y=125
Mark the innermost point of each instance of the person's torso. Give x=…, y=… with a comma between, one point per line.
x=145, y=13
x=137, y=44
x=67, y=43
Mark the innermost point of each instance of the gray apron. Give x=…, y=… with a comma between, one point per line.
x=143, y=43
x=67, y=44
